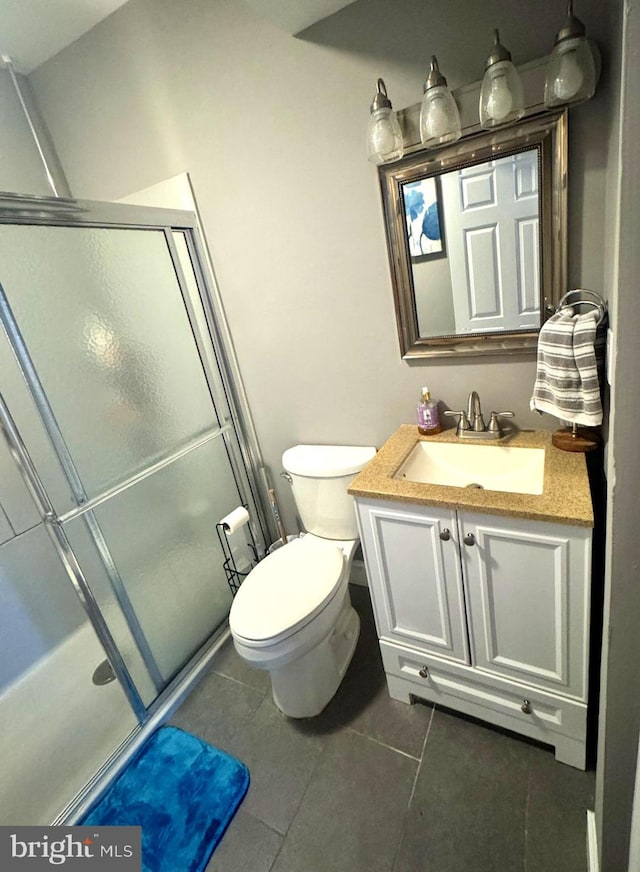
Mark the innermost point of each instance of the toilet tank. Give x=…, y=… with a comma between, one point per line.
x=320, y=476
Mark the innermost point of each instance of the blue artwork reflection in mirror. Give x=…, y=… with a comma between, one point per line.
x=422, y=211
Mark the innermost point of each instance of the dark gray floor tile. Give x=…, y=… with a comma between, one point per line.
x=227, y=662
x=468, y=809
x=351, y=816
x=393, y=723
x=281, y=759
x=556, y=831
x=216, y=709
x=247, y=846
x=484, y=801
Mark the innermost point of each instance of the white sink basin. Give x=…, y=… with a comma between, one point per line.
x=490, y=467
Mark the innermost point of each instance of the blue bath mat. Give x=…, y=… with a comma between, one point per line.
x=182, y=792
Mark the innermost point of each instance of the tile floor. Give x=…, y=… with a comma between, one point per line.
x=374, y=785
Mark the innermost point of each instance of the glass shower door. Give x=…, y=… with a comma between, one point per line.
x=99, y=324
x=129, y=432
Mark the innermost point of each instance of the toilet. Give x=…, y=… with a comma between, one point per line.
x=293, y=615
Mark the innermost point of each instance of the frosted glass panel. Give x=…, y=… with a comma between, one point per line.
x=191, y=284
x=38, y=605
x=97, y=578
x=162, y=537
x=56, y=726
x=17, y=502
x=102, y=315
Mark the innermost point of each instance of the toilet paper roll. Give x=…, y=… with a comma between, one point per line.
x=235, y=519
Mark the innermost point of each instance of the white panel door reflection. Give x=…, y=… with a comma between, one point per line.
x=491, y=216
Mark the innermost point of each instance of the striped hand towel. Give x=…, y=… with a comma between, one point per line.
x=567, y=383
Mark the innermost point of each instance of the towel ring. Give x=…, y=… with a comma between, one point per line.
x=597, y=302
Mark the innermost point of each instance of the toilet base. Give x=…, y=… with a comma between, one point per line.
x=304, y=687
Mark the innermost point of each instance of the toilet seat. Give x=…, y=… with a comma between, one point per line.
x=286, y=590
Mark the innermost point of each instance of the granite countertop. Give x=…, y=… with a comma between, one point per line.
x=566, y=496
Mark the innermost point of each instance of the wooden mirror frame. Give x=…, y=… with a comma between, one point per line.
x=546, y=132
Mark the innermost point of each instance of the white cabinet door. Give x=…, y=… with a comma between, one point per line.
x=527, y=589
x=413, y=565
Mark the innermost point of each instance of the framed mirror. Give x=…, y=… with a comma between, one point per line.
x=476, y=233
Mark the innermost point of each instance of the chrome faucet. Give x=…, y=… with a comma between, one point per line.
x=474, y=413
x=471, y=423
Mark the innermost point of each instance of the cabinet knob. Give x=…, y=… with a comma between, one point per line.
x=469, y=539
x=526, y=707
x=445, y=535
x=424, y=672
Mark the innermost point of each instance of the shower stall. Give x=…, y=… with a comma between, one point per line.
x=124, y=444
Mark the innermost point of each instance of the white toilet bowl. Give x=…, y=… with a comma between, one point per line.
x=293, y=616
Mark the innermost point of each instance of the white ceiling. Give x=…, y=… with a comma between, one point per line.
x=32, y=31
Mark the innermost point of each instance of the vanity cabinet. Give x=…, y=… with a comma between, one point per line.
x=486, y=614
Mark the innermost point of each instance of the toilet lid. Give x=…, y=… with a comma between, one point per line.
x=286, y=590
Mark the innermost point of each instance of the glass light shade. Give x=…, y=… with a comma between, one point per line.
x=384, y=137
x=501, y=96
x=571, y=73
x=439, y=117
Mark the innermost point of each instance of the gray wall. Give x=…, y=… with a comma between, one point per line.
x=272, y=130
x=620, y=694
x=434, y=297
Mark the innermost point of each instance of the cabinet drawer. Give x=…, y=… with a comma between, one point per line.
x=490, y=698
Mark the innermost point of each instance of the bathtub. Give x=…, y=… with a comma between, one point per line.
x=57, y=729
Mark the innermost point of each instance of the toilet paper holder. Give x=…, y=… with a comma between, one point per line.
x=231, y=525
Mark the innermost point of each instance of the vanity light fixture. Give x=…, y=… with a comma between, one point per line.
x=501, y=95
x=384, y=137
x=439, y=115
x=571, y=71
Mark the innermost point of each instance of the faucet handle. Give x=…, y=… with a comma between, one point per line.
x=494, y=426
x=463, y=420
